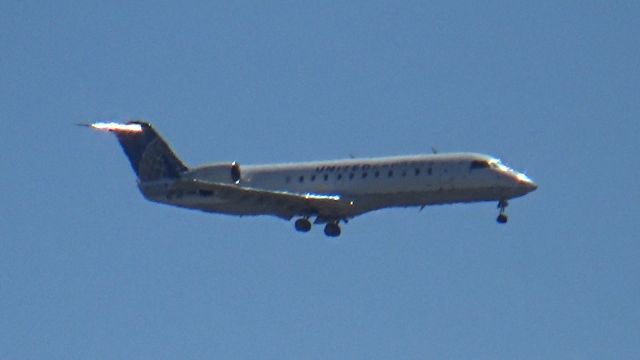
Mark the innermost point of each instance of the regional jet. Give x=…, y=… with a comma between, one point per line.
x=322, y=192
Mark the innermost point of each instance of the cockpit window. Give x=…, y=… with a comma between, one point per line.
x=479, y=164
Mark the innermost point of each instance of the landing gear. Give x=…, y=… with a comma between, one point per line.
x=303, y=225
x=332, y=229
x=502, y=217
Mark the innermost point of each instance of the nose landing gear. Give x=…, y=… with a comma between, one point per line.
x=502, y=217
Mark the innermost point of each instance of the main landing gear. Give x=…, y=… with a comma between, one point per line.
x=502, y=217
x=331, y=229
x=303, y=225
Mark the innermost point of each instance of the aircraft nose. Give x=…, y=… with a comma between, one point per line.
x=527, y=184
x=531, y=185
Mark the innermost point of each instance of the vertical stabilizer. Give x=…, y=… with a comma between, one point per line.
x=150, y=156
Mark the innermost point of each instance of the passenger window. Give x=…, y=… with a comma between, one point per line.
x=417, y=171
x=364, y=175
x=376, y=174
x=429, y=171
x=326, y=177
x=313, y=178
x=404, y=172
x=339, y=176
x=301, y=179
x=390, y=174
x=351, y=176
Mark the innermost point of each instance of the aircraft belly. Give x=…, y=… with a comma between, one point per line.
x=362, y=203
x=369, y=202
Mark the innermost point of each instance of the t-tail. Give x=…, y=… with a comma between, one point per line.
x=151, y=158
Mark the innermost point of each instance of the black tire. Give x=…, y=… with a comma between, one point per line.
x=332, y=230
x=303, y=225
x=502, y=219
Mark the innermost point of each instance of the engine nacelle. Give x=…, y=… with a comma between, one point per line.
x=228, y=173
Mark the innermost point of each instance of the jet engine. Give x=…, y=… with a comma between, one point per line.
x=228, y=173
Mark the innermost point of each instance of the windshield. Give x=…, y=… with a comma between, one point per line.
x=479, y=164
x=497, y=164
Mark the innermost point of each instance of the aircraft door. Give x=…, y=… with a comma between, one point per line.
x=446, y=177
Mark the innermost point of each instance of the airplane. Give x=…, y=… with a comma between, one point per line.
x=329, y=192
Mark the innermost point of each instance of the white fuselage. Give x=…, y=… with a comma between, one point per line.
x=373, y=183
x=327, y=192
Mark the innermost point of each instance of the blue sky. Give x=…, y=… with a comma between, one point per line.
x=88, y=269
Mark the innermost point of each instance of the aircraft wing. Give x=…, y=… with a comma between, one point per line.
x=280, y=203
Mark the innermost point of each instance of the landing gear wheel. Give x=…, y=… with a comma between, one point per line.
x=303, y=225
x=332, y=230
x=502, y=217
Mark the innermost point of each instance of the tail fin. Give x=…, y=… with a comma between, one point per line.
x=150, y=156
